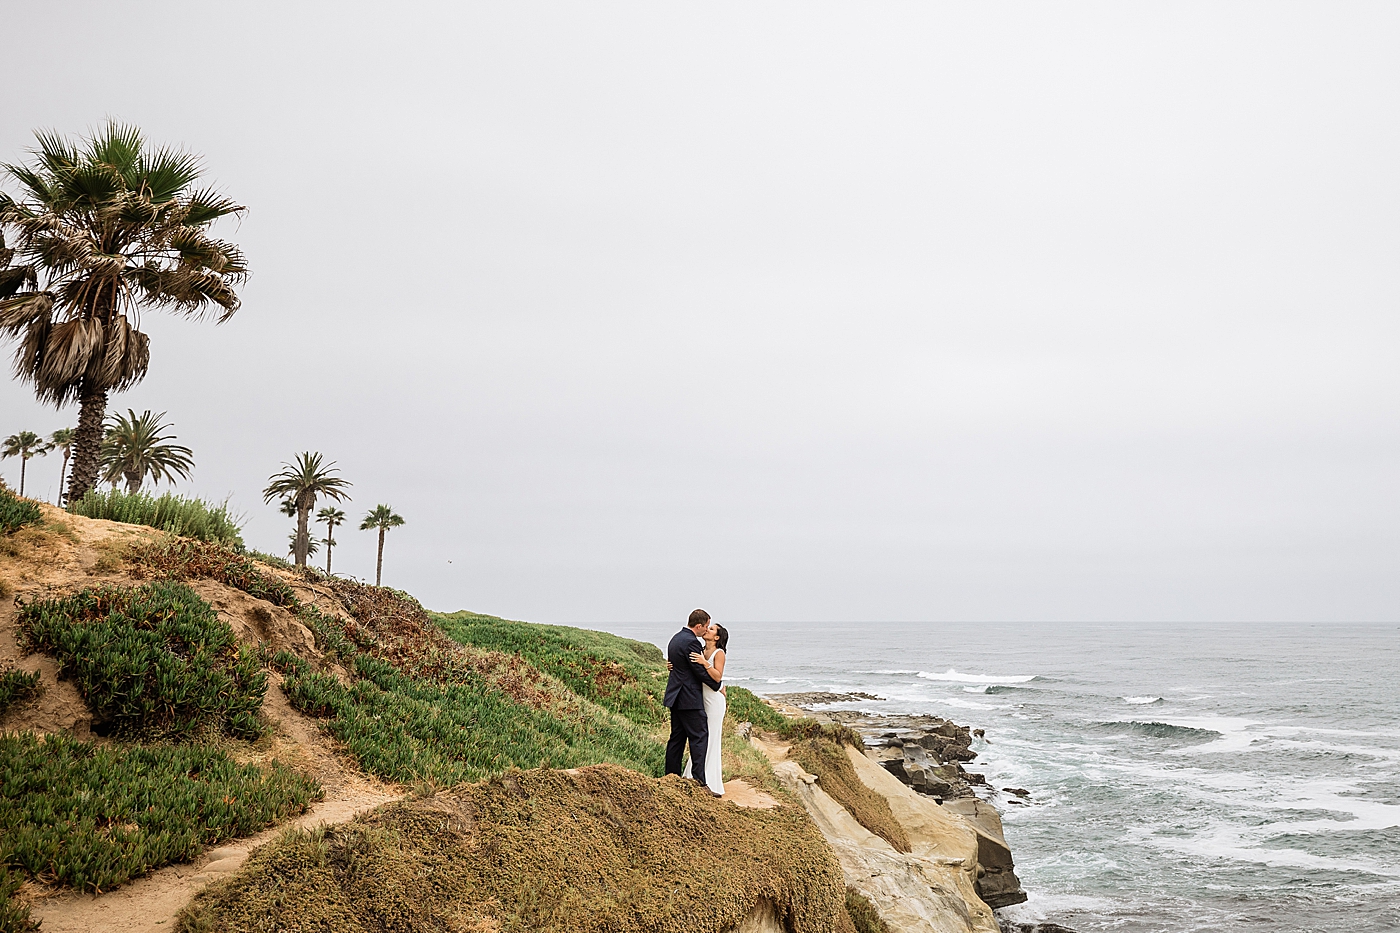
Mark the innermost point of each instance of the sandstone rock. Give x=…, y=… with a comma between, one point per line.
x=998, y=884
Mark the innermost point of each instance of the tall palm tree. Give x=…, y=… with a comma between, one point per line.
x=62, y=439
x=311, y=546
x=134, y=448
x=382, y=518
x=25, y=445
x=301, y=482
x=332, y=517
x=108, y=226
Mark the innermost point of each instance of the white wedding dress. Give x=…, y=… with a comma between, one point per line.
x=715, y=704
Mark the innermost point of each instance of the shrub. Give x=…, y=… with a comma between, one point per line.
x=602, y=850
x=14, y=916
x=863, y=914
x=15, y=512
x=150, y=658
x=182, y=558
x=826, y=758
x=619, y=674
x=463, y=729
x=16, y=686
x=179, y=515
x=93, y=817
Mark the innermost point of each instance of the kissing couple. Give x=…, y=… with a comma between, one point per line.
x=695, y=696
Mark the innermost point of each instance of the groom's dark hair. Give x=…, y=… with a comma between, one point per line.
x=697, y=617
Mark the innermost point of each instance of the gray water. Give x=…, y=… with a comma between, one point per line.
x=1182, y=777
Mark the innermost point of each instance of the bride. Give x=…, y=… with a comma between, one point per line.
x=716, y=640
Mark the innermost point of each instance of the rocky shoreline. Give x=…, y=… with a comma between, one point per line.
x=927, y=753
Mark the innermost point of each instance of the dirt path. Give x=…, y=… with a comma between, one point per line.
x=740, y=793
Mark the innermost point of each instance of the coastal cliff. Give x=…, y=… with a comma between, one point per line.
x=956, y=865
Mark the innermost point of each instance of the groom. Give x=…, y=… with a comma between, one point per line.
x=684, y=697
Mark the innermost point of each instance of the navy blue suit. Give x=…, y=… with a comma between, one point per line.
x=685, y=698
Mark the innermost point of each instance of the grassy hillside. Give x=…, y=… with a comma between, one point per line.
x=602, y=850
x=427, y=701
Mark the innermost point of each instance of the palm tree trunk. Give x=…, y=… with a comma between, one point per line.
x=379, y=565
x=330, y=533
x=133, y=483
x=63, y=472
x=303, y=536
x=91, y=413
x=23, y=462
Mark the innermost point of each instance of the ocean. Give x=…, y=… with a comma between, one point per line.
x=1182, y=777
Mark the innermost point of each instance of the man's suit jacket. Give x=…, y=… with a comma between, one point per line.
x=683, y=686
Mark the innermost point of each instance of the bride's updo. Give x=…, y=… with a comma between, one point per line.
x=721, y=637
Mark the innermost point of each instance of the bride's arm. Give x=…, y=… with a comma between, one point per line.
x=713, y=668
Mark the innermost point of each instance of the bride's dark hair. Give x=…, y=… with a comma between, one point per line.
x=721, y=637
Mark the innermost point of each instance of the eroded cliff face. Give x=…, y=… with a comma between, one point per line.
x=933, y=887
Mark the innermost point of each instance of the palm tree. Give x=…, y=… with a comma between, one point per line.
x=134, y=448
x=382, y=518
x=25, y=444
x=301, y=482
x=311, y=546
x=332, y=517
x=113, y=227
x=62, y=439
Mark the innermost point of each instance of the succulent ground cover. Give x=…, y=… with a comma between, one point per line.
x=600, y=850
x=93, y=817
x=183, y=558
x=461, y=713
x=16, y=686
x=150, y=659
x=619, y=674
x=15, y=512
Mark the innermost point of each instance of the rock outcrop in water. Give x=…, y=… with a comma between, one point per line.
x=927, y=754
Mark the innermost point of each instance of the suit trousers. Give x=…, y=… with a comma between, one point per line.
x=692, y=725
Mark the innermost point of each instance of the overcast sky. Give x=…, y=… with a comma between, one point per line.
x=795, y=311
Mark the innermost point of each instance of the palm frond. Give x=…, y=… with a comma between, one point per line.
x=20, y=312
x=118, y=145
x=167, y=173
x=207, y=205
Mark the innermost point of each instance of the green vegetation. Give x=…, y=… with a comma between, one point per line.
x=16, y=686
x=106, y=227
x=461, y=712
x=602, y=850
x=14, y=916
x=825, y=757
x=93, y=817
x=178, y=515
x=134, y=448
x=299, y=483
x=619, y=674
x=446, y=732
x=152, y=658
x=15, y=512
x=181, y=558
x=864, y=916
